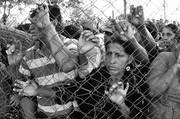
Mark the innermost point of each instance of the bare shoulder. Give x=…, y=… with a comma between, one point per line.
x=166, y=56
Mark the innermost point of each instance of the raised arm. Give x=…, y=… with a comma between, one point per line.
x=145, y=39
x=140, y=55
x=65, y=59
x=126, y=33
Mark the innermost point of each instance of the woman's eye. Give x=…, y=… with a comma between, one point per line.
x=163, y=34
x=108, y=53
x=118, y=55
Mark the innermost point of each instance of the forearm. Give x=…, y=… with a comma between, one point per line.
x=60, y=52
x=147, y=38
x=139, y=53
x=124, y=109
x=46, y=92
x=148, y=42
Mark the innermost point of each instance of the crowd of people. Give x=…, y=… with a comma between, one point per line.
x=127, y=70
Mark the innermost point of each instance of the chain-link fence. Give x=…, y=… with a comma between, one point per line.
x=82, y=60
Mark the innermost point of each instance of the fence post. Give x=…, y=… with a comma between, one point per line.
x=125, y=4
x=164, y=6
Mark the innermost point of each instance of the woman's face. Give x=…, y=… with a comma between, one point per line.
x=116, y=59
x=167, y=34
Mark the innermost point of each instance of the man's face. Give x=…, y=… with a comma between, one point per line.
x=116, y=59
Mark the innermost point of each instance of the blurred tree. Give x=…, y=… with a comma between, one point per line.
x=7, y=5
x=71, y=3
x=81, y=16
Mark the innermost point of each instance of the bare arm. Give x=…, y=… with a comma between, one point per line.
x=65, y=59
x=45, y=92
x=140, y=53
x=126, y=33
x=148, y=42
x=146, y=39
x=160, y=76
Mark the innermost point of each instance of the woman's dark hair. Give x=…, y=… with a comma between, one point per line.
x=173, y=27
x=177, y=36
x=127, y=45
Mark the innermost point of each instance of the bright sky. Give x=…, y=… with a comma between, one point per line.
x=103, y=8
x=152, y=8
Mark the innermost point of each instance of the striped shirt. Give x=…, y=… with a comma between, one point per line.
x=46, y=73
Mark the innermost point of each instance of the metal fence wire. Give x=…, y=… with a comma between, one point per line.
x=89, y=59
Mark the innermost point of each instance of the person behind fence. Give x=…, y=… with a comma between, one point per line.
x=40, y=65
x=164, y=84
x=168, y=41
x=9, y=74
x=110, y=92
x=54, y=12
x=136, y=18
x=142, y=86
